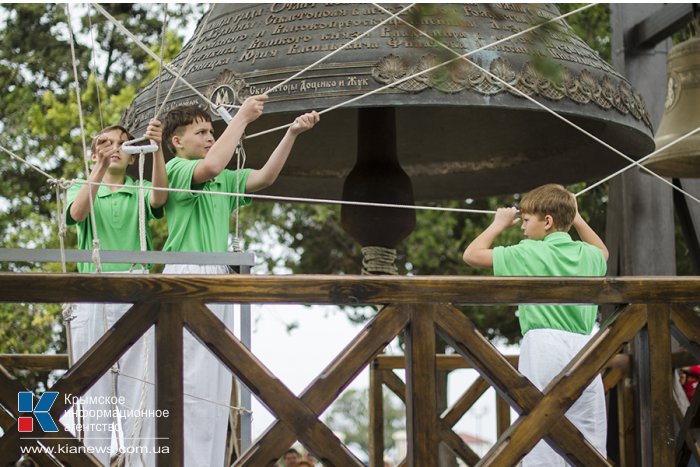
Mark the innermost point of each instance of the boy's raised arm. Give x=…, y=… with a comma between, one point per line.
x=266, y=176
x=479, y=253
x=588, y=235
x=158, y=175
x=219, y=155
x=80, y=208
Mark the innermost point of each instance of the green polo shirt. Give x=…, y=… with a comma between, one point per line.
x=556, y=255
x=198, y=221
x=117, y=221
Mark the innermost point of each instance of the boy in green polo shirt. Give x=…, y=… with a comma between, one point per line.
x=117, y=222
x=200, y=222
x=552, y=334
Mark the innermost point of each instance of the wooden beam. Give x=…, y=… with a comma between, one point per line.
x=659, y=26
x=442, y=361
x=502, y=415
x=376, y=416
x=462, y=335
x=375, y=336
x=169, y=385
x=686, y=329
x=445, y=433
x=274, y=395
x=627, y=417
x=466, y=401
x=421, y=395
x=344, y=290
x=34, y=362
x=612, y=378
x=660, y=371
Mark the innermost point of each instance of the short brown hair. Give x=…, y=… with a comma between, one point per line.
x=93, y=145
x=553, y=200
x=180, y=117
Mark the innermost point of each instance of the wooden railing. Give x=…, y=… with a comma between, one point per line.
x=419, y=307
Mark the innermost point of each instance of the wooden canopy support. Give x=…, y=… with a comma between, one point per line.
x=660, y=26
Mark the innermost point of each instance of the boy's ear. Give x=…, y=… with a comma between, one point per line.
x=132, y=159
x=175, y=141
x=548, y=222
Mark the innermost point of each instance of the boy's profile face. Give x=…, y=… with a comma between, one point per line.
x=193, y=141
x=536, y=227
x=113, y=139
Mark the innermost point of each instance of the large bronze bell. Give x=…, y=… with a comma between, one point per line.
x=455, y=132
x=459, y=134
x=681, y=115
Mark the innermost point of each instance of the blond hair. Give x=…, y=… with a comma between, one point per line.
x=553, y=200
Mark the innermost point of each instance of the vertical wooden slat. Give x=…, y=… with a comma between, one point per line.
x=376, y=416
x=421, y=410
x=661, y=394
x=169, y=386
x=627, y=427
x=502, y=415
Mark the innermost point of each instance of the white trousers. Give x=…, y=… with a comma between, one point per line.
x=206, y=415
x=543, y=354
x=131, y=434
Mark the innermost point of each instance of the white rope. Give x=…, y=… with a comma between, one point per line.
x=203, y=399
x=95, y=238
x=164, y=29
x=29, y=164
x=184, y=64
x=67, y=308
x=296, y=75
x=136, y=40
x=240, y=163
x=142, y=205
x=94, y=66
x=428, y=70
x=301, y=200
x=285, y=198
x=624, y=169
x=564, y=119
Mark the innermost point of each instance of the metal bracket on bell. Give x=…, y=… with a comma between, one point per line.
x=223, y=113
x=129, y=148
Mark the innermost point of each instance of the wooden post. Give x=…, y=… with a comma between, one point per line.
x=640, y=208
x=502, y=415
x=376, y=416
x=421, y=397
x=626, y=418
x=660, y=430
x=169, y=387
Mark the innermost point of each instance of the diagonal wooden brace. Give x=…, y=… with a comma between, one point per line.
x=460, y=332
x=561, y=393
x=276, y=397
x=376, y=335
